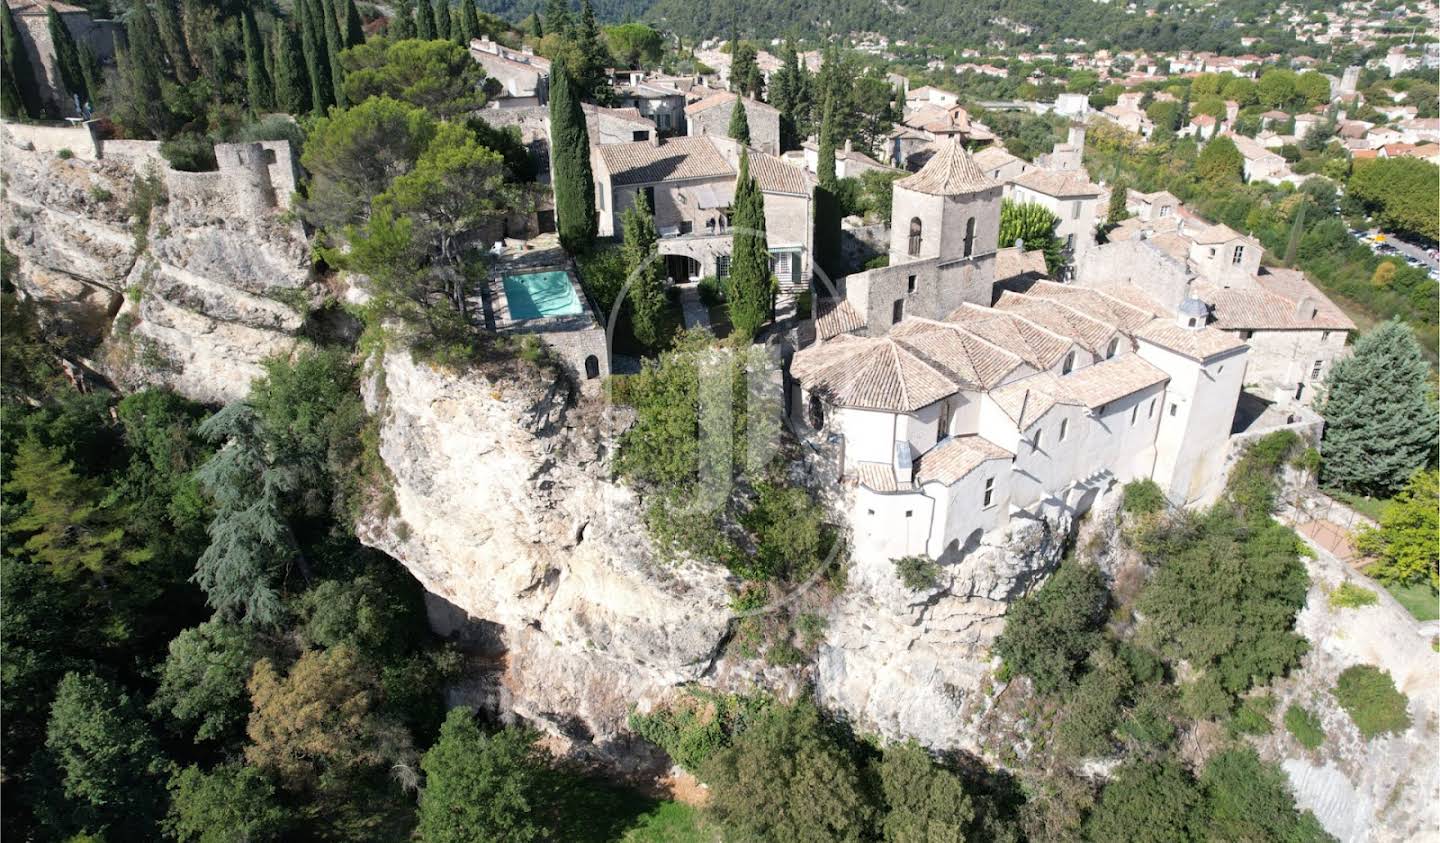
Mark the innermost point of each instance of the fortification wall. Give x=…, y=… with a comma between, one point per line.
x=80, y=140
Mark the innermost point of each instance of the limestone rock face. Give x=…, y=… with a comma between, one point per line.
x=908, y=664
x=195, y=300
x=502, y=508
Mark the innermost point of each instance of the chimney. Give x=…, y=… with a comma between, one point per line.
x=849, y=146
x=656, y=140
x=1077, y=135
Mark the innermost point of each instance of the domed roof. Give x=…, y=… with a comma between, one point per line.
x=1192, y=306
x=949, y=172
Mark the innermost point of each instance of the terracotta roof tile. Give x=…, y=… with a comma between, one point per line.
x=1282, y=299
x=879, y=477
x=870, y=373
x=1093, y=303
x=775, y=176
x=1037, y=346
x=1087, y=332
x=1011, y=263
x=1057, y=183
x=962, y=355
x=834, y=317
x=676, y=159
x=1199, y=344
x=949, y=171
x=725, y=98
x=956, y=457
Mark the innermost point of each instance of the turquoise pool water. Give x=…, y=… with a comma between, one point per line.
x=538, y=294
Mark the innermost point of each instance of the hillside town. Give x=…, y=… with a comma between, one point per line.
x=463, y=421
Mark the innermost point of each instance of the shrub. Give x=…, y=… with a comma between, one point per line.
x=1304, y=726
x=64, y=154
x=190, y=153
x=878, y=262
x=1143, y=497
x=699, y=724
x=99, y=194
x=1049, y=634
x=712, y=292
x=1369, y=696
x=919, y=573
x=1253, y=716
x=1351, y=596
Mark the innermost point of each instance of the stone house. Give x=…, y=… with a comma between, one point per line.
x=711, y=116
x=1070, y=196
x=656, y=100
x=1296, y=333
x=33, y=24
x=1149, y=207
x=849, y=162
x=999, y=164
x=1261, y=164
x=523, y=76
x=689, y=183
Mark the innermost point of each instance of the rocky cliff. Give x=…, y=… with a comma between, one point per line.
x=502, y=508
x=189, y=280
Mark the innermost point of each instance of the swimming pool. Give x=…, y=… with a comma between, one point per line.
x=537, y=294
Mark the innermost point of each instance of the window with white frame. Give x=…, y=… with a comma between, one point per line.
x=1238, y=255
x=989, y=492
x=722, y=266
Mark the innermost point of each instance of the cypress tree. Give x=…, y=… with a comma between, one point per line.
x=570, y=163
x=172, y=34
x=333, y=45
x=257, y=82
x=424, y=21
x=141, y=71
x=90, y=70
x=354, y=27
x=827, y=200
x=1380, y=419
x=20, y=96
x=317, y=58
x=592, y=48
x=751, y=287
x=469, y=21
x=646, y=295
x=67, y=55
x=442, y=20
x=739, y=123
x=402, y=26
x=292, y=85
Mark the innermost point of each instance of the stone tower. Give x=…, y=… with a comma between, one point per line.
x=948, y=210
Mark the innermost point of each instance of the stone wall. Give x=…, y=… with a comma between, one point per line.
x=217, y=281
x=80, y=140
x=715, y=121
x=1139, y=263
x=1282, y=361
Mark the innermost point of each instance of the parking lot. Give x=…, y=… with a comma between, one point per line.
x=1387, y=244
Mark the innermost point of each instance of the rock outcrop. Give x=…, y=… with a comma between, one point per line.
x=192, y=278
x=502, y=507
x=909, y=664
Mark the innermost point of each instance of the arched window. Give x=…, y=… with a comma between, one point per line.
x=914, y=236
x=969, y=236
x=1114, y=347
x=592, y=367
x=817, y=412
x=1069, y=365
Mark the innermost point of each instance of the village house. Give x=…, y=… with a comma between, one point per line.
x=33, y=26
x=523, y=76
x=948, y=416
x=1070, y=196
x=999, y=164
x=657, y=100
x=1296, y=333
x=689, y=183
x=1261, y=164
x=711, y=116
x=1149, y=207
x=849, y=161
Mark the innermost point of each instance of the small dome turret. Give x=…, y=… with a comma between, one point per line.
x=1192, y=313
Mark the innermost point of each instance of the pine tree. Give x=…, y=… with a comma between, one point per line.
x=557, y=18
x=469, y=21
x=424, y=21
x=317, y=57
x=646, y=294
x=333, y=45
x=20, y=96
x=1380, y=415
x=739, y=123
x=354, y=27
x=827, y=200
x=172, y=34
x=570, y=163
x=442, y=20
x=292, y=84
x=257, y=82
x=67, y=56
x=751, y=288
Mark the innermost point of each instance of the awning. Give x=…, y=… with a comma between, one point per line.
x=709, y=197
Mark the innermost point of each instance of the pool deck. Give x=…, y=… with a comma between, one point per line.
x=496, y=307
